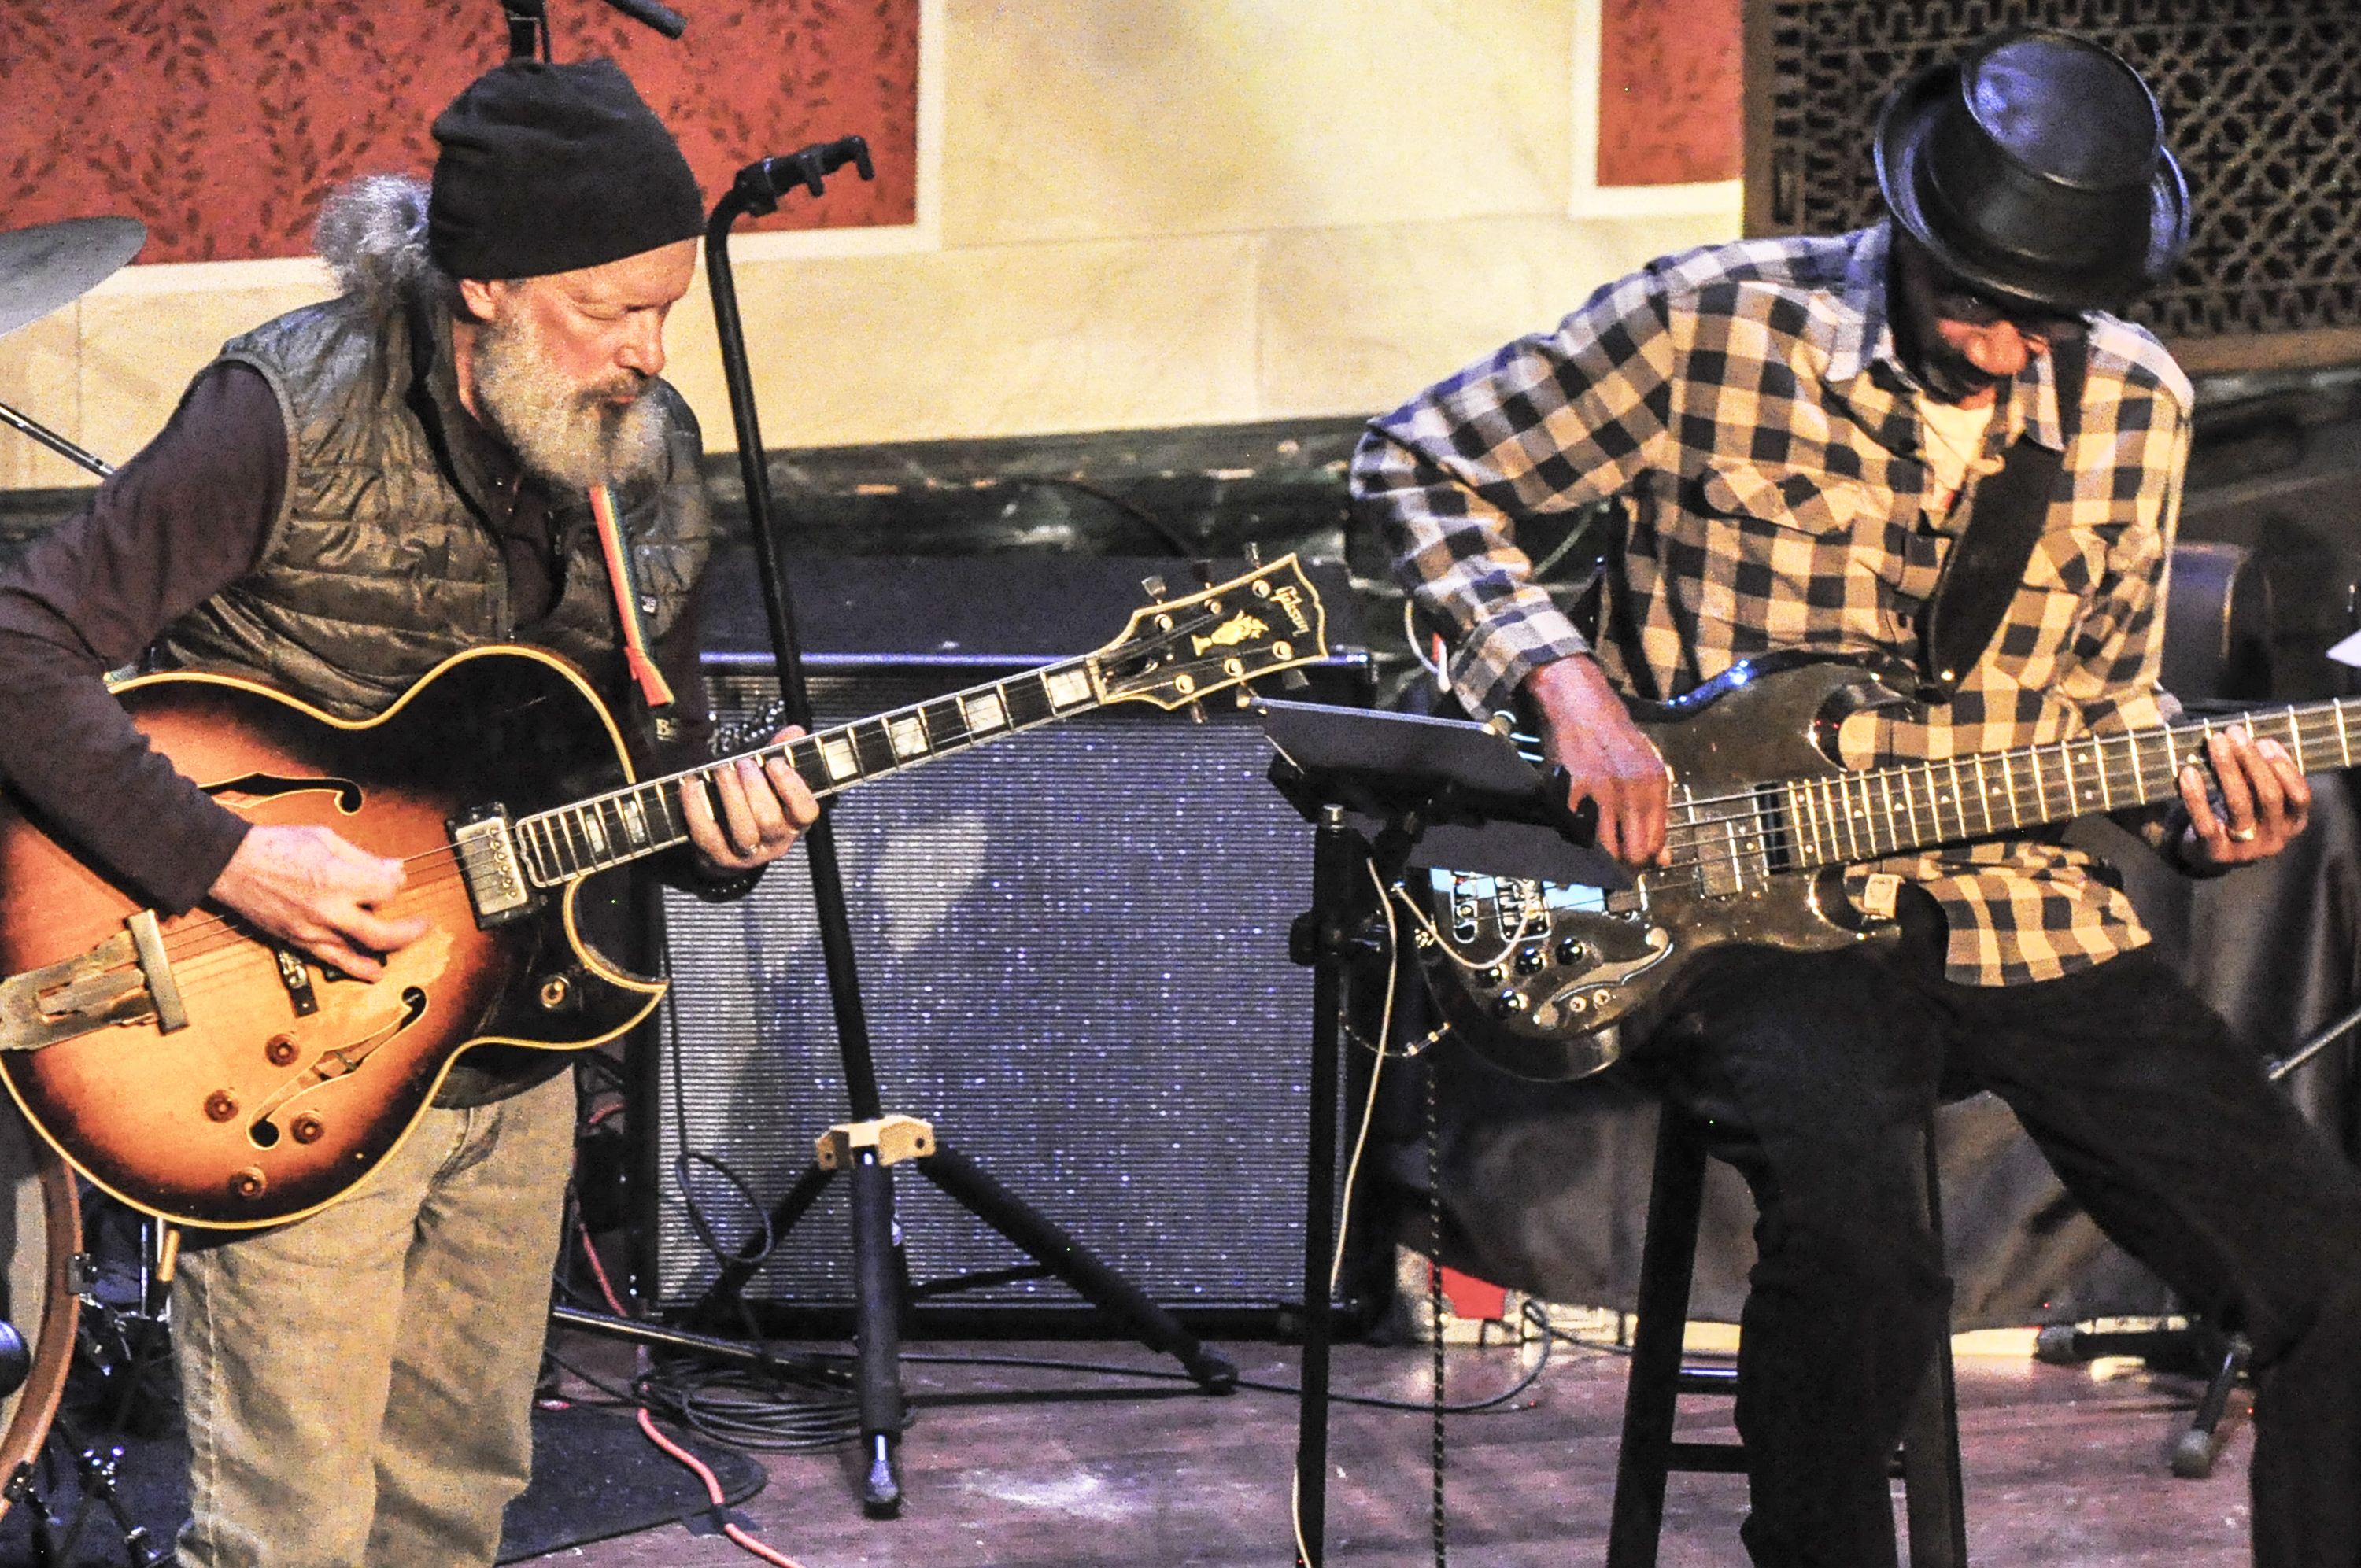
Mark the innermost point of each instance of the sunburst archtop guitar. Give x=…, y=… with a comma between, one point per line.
x=200, y=1073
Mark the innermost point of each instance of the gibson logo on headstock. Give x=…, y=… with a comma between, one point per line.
x=1291, y=599
x=1240, y=628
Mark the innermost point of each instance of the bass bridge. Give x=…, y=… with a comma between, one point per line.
x=1533, y=970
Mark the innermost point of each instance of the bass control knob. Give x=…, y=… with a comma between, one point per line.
x=1570, y=951
x=1509, y=1004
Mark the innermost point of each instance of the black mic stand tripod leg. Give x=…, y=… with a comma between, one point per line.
x=867, y=1148
x=976, y=1190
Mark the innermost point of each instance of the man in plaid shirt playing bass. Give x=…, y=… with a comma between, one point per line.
x=1792, y=433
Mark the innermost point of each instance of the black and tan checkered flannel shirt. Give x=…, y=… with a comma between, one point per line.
x=1743, y=406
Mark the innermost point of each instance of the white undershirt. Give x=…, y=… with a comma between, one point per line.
x=1954, y=446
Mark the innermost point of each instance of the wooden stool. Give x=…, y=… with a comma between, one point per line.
x=1928, y=1462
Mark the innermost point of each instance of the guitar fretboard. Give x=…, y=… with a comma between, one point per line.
x=607, y=830
x=1885, y=811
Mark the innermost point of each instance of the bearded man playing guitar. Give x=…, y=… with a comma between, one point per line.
x=470, y=446
x=1794, y=435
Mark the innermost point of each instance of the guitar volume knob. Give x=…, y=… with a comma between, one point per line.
x=306, y=1128
x=279, y=1049
x=1509, y=1004
x=220, y=1105
x=248, y=1183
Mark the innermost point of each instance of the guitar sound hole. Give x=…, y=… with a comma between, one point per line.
x=265, y=1133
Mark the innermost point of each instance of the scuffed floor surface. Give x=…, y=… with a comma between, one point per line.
x=1022, y=1468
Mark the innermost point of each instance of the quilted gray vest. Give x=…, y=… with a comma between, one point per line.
x=380, y=564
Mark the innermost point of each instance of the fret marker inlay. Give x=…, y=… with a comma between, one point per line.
x=984, y=712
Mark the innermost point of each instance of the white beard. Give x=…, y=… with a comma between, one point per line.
x=560, y=431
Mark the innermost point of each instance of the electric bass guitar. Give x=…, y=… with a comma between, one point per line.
x=1534, y=977
x=199, y=1070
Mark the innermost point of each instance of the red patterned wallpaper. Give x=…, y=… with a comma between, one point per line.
x=1669, y=101
x=220, y=124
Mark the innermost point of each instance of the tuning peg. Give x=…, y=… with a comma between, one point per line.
x=1153, y=587
x=1245, y=696
x=1254, y=554
x=1197, y=712
x=1295, y=680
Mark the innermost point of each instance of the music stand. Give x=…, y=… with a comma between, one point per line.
x=1385, y=791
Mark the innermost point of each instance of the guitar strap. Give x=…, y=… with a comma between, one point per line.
x=2004, y=522
x=617, y=551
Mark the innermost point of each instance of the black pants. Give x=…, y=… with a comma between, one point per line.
x=1817, y=1072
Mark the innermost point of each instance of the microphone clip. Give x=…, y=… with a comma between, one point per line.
x=759, y=184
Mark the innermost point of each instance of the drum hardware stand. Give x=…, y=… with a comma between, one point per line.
x=54, y=441
x=53, y=1540
x=96, y=1467
x=866, y=1148
x=1385, y=791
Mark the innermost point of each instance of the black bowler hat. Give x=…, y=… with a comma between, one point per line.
x=2035, y=170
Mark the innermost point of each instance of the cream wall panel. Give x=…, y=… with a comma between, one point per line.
x=1007, y=340
x=1355, y=321
x=38, y=368
x=139, y=348
x=1153, y=215
x=1084, y=118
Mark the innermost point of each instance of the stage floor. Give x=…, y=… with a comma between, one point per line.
x=1019, y=1468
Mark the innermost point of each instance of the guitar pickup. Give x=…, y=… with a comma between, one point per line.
x=497, y=886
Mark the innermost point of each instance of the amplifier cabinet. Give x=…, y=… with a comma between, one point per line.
x=1073, y=959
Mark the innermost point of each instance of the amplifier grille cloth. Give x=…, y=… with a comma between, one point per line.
x=1072, y=950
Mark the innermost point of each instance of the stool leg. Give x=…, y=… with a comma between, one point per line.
x=1931, y=1485
x=1931, y=1470
x=1667, y=1262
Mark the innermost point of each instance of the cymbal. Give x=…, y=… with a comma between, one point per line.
x=51, y=265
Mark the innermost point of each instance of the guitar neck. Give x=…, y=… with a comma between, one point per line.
x=571, y=841
x=1885, y=811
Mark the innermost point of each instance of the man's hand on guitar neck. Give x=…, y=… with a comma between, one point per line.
x=320, y=895
x=2264, y=802
x=1587, y=730
x=763, y=810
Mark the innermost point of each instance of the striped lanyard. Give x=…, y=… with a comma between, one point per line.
x=627, y=601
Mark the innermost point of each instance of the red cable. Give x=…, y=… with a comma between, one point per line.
x=713, y=1490
x=648, y=1425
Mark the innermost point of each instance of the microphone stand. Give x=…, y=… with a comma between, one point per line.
x=529, y=23
x=866, y=1148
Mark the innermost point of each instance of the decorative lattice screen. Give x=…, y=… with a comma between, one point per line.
x=2262, y=105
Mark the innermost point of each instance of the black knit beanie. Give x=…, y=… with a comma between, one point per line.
x=548, y=168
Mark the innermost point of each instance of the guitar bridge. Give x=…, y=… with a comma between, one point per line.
x=496, y=885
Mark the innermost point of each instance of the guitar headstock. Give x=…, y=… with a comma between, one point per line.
x=1177, y=651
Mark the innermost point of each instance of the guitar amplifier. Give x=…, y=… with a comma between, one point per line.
x=1072, y=955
